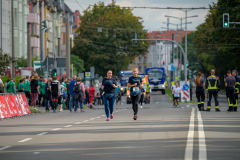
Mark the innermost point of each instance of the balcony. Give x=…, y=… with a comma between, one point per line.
x=33, y=18
x=35, y=42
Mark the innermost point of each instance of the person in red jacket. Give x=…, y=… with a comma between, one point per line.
x=91, y=95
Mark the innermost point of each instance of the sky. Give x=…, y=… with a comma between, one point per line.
x=154, y=18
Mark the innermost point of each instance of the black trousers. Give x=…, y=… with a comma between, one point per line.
x=39, y=99
x=230, y=96
x=214, y=93
x=54, y=101
x=200, y=97
x=135, y=100
x=43, y=101
x=236, y=99
x=141, y=99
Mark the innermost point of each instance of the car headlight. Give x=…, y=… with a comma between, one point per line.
x=121, y=89
x=163, y=86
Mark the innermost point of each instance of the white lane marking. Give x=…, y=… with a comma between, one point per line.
x=36, y=152
x=42, y=133
x=3, y=148
x=189, y=144
x=78, y=123
x=103, y=115
x=55, y=129
x=98, y=117
x=68, y=126
x=201, y=139
x=86, y=121
x=157, y=102
x=91, y=119
x=116, y=111
x=24, y=140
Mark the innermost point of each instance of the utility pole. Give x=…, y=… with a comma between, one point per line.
x=1, y=29
x=59, y=47
x=168, y=23
x=29, y=55
x=13, y=54
x=172, y=56
x=67, y=47
x=185, y=58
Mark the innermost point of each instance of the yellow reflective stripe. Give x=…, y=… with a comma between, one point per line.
x=228, y=101
x=202, y=102
x=217, y=107
x=236, y=105
x=208, y=107
x=199, y=103
x=238, y=83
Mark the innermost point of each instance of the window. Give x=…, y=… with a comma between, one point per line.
x=77, y=16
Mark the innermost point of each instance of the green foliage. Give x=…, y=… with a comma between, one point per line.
x=78, y=64
x=22, y=62
x=5, y=60
x=217, y=47
x=99, y=49
x=17, y=80
x=5, y=79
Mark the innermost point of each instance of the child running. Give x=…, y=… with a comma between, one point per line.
x=176, y=92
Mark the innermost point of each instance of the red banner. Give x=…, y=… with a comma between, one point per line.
x=4, y=107
x=18, y=106
x=25, y=103
x=14, y=106
x=21, y=103
x=9, y=105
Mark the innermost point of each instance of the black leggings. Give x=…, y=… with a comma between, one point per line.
x=141, y=98
x=200, y=97
x=135, y=100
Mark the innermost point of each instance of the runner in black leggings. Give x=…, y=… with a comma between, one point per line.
x=136, y=84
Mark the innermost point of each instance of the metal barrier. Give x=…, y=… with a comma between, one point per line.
x=13, y=105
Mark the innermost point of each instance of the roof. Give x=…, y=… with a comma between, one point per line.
x=67, y=9
x=167, y=35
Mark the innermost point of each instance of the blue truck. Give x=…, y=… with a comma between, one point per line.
x=123, y=79
x=156, y=78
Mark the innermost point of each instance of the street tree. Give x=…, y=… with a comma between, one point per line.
x=105, y=38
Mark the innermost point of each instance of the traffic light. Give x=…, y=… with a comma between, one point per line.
x=54, y=72
x=163, y=62
x=187, y=63
x=225, y=20
x=135, y=36
x=44, y=24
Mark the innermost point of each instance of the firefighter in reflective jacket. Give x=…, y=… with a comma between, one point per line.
x=236, y=88
x=212, y=86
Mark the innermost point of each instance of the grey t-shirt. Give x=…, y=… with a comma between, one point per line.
x=201, y=83
x=230, y=80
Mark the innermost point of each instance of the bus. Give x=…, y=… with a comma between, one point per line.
x=156, y=78
x=123, y=79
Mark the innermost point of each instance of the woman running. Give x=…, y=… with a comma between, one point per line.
x=136, y=85
x=109, y=86
x=200, y=91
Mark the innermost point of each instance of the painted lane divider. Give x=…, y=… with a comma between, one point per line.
x=40, y=134
x=98, y=117
x=91, y=119
x=56, y=129
x=78, y=123
x=3, y=148
x=86, y=121
x=68, y=126
x=190, y=137
x=25, y=140
x=201, y=138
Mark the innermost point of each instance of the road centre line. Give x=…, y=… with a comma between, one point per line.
x=98, y=117
x=24, y=140
x=40, y=134
x=91, y=119
x=189, y=144
x=3, y=148
x=55, y=129
x=78, y=123
x=86, y=121
x=201, y=138
x=68, y=126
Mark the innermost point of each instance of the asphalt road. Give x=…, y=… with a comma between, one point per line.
x=161, y=132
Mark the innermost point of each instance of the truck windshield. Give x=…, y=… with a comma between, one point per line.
x=155, y=75
x=125, y=77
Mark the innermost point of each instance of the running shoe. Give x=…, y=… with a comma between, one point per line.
x=111, y=116
x=108, y=119
x=60, y=110
x=217, y=110
x=82, y=110
x=76, y=111
x=141, y=107
x=135, y=117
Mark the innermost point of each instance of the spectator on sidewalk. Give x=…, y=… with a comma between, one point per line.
x=11, y=87
x=79, y=94
x=40, y=89
x=27, y=88
x=86, y=96
x=21, y=86
x=34, y=88
x=68, y=93
x=91, y=95
x=55, y=89
x=1, y=86
x=61, y=97
x=48, y=95
x=72, y=92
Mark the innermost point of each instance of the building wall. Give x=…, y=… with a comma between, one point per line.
x=140, y=62
x=5, y=31
x=21, y=10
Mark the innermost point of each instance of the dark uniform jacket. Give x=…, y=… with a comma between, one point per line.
x=212, y=83
x=237, y=84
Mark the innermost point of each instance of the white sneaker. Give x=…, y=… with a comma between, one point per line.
x=141, y=107
x=60, y=110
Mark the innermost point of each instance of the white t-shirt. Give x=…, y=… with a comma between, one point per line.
x=173, y=86
x=0, y=82
x=177, y=91
x=61, y=89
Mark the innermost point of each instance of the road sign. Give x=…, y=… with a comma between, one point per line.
x=185, y=94
x=87, y=75
x=175, y=63
x=185, y=87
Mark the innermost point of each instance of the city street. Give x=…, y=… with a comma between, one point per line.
x=161, y=132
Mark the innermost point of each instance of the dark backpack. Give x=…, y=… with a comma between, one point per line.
x=76, y=88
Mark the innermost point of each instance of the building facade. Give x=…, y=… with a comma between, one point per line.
x=5, y=26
